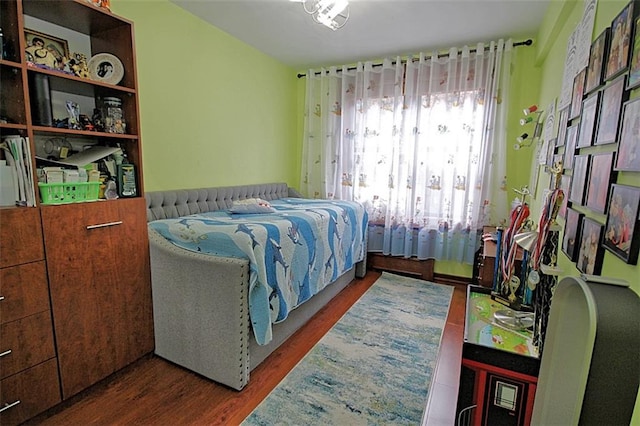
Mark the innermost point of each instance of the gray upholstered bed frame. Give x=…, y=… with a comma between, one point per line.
x=200, y=305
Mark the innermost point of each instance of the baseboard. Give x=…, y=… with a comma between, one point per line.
x=451, y=279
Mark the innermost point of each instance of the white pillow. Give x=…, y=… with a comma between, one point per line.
x=251, y=205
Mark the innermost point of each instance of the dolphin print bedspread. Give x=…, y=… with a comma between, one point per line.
x=293, y=253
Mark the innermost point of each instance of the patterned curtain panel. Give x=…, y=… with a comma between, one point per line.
x=421, y=143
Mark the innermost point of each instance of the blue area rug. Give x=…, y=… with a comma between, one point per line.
x=373, y=367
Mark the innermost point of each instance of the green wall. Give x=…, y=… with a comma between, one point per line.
x=220, y=112
x=214, y=111
x=560, y=21
x=551, y=59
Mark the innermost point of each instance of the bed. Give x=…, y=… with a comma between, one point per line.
x=229, y=287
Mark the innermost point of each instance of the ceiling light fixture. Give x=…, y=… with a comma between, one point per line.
x=333, y=14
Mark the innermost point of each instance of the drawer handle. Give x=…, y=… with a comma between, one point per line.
x=5, y=353
x=104, y=225
x=7, y=405
x=1, y=298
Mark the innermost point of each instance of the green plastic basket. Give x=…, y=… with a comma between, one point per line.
x=69, y=192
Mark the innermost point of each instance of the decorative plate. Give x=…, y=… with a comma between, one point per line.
x=106, y=68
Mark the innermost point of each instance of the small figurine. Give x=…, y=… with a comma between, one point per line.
x=85, y=122
x=78, y=65
x=97, y=120
x=73, y=112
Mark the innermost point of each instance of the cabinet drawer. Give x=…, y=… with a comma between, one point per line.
x=29, y=393
x=23, y=291
x=20, y=236
x=68, y=222
x=25, y=343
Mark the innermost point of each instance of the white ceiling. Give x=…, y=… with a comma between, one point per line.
x=376, y=28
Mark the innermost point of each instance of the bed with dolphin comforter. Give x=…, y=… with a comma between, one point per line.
x=230, y=284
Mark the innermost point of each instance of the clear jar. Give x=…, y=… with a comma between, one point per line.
x=113, y=116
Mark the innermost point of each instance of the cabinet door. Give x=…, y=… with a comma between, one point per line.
x=99, y=277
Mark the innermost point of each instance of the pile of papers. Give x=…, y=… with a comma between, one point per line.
x=18, y=156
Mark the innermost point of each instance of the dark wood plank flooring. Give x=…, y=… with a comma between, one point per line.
x=153, y=391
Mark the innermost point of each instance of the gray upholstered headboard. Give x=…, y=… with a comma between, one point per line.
x=183, y=202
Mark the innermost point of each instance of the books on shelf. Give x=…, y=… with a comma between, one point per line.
x=17, y=153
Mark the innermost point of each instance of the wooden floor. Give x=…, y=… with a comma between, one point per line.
x=153, y=391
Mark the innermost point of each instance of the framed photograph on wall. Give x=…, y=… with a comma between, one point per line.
x=570, y=146
x=600, y=178
x=622, y=234
x=634, y=67
x=628, y=158
x=620, y=45
x=565, y=185
x=563, y=121
x=608, y=123
x=45, y=50
x=595, y=69
x=590, y=252
x=579, y=179
x=551, y=150
x=577, y=94
x=588, y=120
x=572, y=224
x=533, y=179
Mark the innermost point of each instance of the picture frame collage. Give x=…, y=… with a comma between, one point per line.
x=599, y=132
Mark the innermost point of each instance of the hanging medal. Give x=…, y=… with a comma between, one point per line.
x=533, y=279
x=514, y=284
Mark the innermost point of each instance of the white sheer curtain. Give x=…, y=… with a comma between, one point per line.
x=421, y=143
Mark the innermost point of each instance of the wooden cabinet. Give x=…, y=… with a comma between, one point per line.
x=500, y=367
x=29, y=382
x=100, y=288
x=83, y=29
x=75, y=277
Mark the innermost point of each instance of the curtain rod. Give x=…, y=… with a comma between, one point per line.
x=528, y=42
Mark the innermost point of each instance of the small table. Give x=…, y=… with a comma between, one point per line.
x=500, y=366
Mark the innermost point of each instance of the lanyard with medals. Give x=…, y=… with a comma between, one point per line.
x=550, y=209
x=510, y=282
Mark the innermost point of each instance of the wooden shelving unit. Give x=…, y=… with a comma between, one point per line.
x=88, y=261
